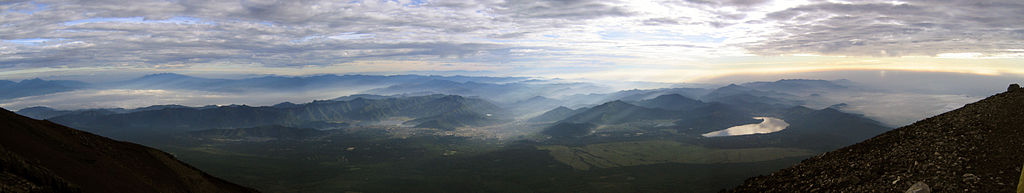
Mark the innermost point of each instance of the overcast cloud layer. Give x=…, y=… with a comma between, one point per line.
x=488, y=35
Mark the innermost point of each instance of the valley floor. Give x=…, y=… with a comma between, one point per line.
x=369, y=162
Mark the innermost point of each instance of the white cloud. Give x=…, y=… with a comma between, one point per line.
x=898, y=109
x=649, y=33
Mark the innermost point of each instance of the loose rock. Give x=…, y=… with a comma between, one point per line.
x=970, y=178
x=919, y=187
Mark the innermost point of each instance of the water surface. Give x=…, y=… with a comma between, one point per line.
x=767, y=125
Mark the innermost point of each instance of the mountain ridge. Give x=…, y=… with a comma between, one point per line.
x=617, y=111
x=85, y=162
x=327, y=113
x=37, y=86
x=674, y=102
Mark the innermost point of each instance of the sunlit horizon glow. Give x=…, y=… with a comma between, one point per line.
x=656, y=41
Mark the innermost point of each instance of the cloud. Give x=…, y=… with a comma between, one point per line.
x=561, y=9
x=897, y=29
x=899, y=109
x=274, y=33
x=308, y=33
x=728, y=3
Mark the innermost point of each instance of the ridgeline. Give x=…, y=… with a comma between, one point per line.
x=41, y=156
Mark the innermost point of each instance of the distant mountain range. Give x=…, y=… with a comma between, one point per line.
x=33, y=87
x=616, y=112
x=46, y=112
x=518, y=95
x=757, y=96
x=434, y=111
x=801, y=85
x=674, y=102
x=556, y=114
x=40, y=156
x=172, y=81
x=821, y=130
x=630, y=95
x=752, y=99
x=725, y=107
x=506, y=92
x=280, y=83
x=628, y=133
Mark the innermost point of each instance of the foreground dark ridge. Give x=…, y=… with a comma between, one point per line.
x=41, y=156
x=977, y=148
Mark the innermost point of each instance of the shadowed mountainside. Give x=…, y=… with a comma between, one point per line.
x=617, y=112
x=41, y=156
x=976, y=148
x=670, y=102
x=556, y=114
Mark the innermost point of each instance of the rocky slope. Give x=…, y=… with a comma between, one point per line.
x=41, y=156
x=977, y=148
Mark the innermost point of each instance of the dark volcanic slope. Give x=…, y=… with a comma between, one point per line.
x=977, y=148
x=41, y=156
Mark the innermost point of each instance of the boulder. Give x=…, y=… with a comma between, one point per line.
x=1013, y=87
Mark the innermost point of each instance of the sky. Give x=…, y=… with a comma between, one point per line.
x=660, y=41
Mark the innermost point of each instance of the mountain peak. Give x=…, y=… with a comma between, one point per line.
x=615, y=112
x=38, y=108
x=671, y=97
x=452, y=98
x=285, y=105
x=614, y=105
x=670, y=102
x=165, y=75
x=33, y=80
x=538, y=98
x=732, y=87
x=800, y=80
